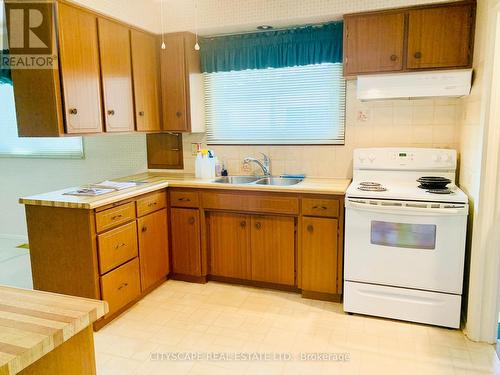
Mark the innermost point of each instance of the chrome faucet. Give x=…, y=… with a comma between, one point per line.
x=265, y=164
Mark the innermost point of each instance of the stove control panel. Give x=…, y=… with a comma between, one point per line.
x=405, y=159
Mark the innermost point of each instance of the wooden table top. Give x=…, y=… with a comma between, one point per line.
x=33, y=323
x=151, y=181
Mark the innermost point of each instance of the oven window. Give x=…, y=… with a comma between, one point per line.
x=412, y=236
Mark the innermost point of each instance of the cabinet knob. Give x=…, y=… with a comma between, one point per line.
x=122, y=286
x=394, y=57
x=310, y=228
x=141, y=113
x=191, y=220
x=144, y=229
x=418, y=55
x=111, y=112
x=258, y=225
x=119, y=245
x=178, y=114
x=73, y=111
x=243, y=224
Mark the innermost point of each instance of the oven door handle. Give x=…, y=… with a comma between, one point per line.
x=405, y=210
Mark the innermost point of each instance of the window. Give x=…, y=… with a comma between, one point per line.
x=292, y=105
x=13, y=146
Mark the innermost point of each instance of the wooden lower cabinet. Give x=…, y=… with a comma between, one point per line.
x=273, y=249
x=121, y=286
x=153, y=248
x=229, y=244
x=186, y=241
x=319, y=254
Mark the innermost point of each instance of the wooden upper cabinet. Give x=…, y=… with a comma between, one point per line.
x=229, y=236
x=182, y=84
x=145, y=63
x=437, y=36
x=440, y=37
x=114, y=46
x=79, y=59
x=374, y=43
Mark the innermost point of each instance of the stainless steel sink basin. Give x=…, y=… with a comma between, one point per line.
x=236, y=179
x=280, y=181
x=256, y=180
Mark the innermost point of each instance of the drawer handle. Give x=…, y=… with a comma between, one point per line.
x=243, y=224
x=144, y=229
x=73, y=111
x=111, y=112
x=191, y=220
x=184, y=199
x=258, y=225
x=152, y=204
x=116, y=217
x=120, y=245
x=310, y=228
x=319, y=207
x=418, y=55
x=124, y=285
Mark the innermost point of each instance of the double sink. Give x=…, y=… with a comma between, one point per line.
x=258, y=180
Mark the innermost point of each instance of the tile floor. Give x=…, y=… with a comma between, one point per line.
x=219, y=318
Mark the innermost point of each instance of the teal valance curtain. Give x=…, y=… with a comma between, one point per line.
x=314, y=44
x=5, y=73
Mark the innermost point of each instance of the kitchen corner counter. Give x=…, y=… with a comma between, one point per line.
x=33, y=324
x=152, y=181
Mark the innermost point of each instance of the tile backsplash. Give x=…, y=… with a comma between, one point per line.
x=387, y=123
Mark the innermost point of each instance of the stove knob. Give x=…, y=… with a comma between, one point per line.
x=371, y=157
x=436, y=158
x=362, y=157
x=446, y=157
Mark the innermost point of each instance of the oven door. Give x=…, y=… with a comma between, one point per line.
x=414, y=245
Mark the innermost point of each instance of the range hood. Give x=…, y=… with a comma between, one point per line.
x=447, y=83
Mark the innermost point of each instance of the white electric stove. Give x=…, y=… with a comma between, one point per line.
x=405, y=240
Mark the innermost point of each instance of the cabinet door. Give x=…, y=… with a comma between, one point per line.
x=79, y=59
x=145, y=72
x=230, y=245
x=153, y=248
x=440, y=37
x=186, y=246
x=373, y=43
x=114, y=45
x=273, y=249
x=174, y=84
x=319, y=254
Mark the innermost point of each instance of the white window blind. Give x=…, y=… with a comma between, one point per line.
x=296, y=105
x=13, y=146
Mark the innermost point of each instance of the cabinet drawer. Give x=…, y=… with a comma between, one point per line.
x=117, y=246
x=184, y=198
x=251, y=203
x=114, y=216
x=150, y=203
x=320, y=207
x=121, y=286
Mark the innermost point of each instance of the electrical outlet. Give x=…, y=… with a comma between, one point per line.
x=246, y=168
x=363, y=115
x=195, y=147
